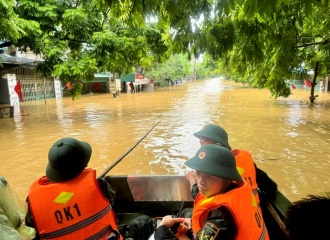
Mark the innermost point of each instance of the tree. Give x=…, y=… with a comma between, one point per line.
x=80, y=38
x=264, y=43
x=12, y=26
x=176, y=67
x=260, y=42
x=266, y=48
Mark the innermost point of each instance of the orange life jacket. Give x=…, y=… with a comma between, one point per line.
x=239, y=201
x=75, y=209
x=246, y=168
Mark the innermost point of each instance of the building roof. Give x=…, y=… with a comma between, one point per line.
x=128, y=78
x=99, y=77
x=14, y=61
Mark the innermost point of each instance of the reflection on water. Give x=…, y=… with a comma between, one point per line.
x=288, y=138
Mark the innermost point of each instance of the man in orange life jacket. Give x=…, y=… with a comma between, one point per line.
x=68, y=203
x=257, y=178
x=223, y=208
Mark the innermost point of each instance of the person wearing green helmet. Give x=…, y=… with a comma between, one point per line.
x=211, y=133
x=69, y=195
x=69, y=202
x=224, y=207
x=258, y=179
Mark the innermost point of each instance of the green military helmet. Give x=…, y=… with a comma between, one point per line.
x=214, y=132
x=215, y=160
x=67, y=158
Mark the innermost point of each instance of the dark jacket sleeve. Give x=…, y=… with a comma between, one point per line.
x=266, y=184
x=219, y=225
x=164, y=233
x=29, y=219
x=107, y=191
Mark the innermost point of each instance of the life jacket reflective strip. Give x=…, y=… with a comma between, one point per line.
x=248, y=218
x=75, y=209
x=246, y=167
x=77, y=226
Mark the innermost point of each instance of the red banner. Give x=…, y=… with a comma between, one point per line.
x=68, y=85
x=308, y=83
x=18, y=90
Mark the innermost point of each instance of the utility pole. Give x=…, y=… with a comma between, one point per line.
x=312, y=97
x=45, y=90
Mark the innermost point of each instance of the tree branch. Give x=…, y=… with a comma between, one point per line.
x=313, y=43
x=72, y=39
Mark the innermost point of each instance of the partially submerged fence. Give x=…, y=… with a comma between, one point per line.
x=34, y=86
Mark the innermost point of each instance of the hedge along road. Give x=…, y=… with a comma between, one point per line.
x=287, y=137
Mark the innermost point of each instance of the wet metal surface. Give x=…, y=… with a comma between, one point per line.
x=162, y=188
x=288, y=137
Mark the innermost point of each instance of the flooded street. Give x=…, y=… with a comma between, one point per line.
x=288, y=138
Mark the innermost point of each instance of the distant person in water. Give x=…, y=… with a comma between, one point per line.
x=309, y=218
x=131, y=85
x=64, y=203
x=258, y=179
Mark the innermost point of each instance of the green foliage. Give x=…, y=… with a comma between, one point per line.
x=12, y=26
x=263, y=44
x=80, y=38
x=74, y=70
x=155, y=42
x=176, y=67
x=260, y=42
x=75, y=90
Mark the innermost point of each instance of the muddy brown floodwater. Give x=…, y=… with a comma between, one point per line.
x=288, y=137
